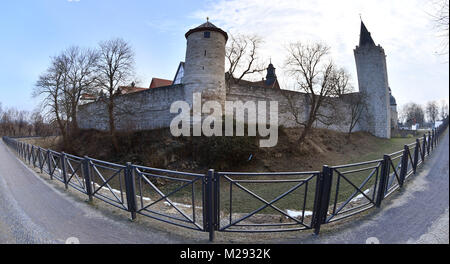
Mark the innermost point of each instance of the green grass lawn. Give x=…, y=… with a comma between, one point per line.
x=384, y=146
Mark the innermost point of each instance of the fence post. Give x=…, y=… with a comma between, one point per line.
x=437, y=135
x=216, y=195
x=404, y=168
x=429, y=143
x=383, y=180
x=63, y=169
x=40, y=159
x=210, y=204
x=32, y=156
x=416, y=155
x=434, y=137
x=424, y=147
x=87, y=177
x=28, y=153
x=130, y=188
x=49, y=166
x=322, y=199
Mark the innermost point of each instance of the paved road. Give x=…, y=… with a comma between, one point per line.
x=32, y=211
x=417, y=214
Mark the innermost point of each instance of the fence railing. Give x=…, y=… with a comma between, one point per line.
x=232, y=201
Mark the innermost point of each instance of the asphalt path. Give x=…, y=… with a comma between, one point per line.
x=417, y=214
x=33, y=211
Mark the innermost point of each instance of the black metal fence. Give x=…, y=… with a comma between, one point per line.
x=208, y=202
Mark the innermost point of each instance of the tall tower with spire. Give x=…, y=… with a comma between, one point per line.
x=373, y=85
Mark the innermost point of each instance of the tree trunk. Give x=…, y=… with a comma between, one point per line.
x=74, y=124
x=112, y=125
x=63, y=132
x=304, y=133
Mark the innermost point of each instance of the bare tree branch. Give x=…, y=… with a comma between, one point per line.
x=242, y=57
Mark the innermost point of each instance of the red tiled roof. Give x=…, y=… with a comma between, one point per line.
x=157, y=82
x=130, y=89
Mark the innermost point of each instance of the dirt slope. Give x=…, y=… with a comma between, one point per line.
x=158, y=148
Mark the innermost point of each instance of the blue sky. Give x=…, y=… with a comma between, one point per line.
x=33, y=31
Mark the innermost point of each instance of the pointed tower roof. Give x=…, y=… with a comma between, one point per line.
x=365, y=37
x=208, y=26
x=271, y=77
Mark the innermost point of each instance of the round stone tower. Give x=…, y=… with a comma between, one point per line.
x=205, y=63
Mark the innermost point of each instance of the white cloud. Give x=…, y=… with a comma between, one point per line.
x=402, y=27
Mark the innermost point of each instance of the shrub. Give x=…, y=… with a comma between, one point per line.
x=223, y=152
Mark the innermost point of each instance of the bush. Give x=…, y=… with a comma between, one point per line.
x=223, y=152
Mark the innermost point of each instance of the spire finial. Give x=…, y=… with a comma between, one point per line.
x=360, y=17
x=207, y=19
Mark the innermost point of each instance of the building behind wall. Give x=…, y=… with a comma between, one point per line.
x=204, y=72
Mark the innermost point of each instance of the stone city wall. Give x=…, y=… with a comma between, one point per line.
x=149, y=109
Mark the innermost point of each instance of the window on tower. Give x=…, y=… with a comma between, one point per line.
x=207, y=34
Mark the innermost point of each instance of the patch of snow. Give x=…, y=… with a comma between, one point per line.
x=360, y=196
x=294, y=213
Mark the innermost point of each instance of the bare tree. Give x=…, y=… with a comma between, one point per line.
x=440, y=18
x=51, y=85
x=432, y=111
x=413, y=113
x=80, y=76
x=316, y=76
x=115, y=68
x=341, y=81
x=22, y=123
x=356, y=102
x=358, y=105
x=38, y=123
x=242, y=57
x=14, y=122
